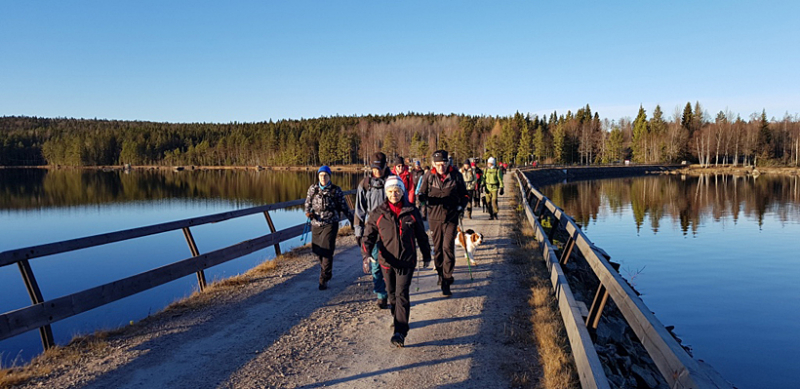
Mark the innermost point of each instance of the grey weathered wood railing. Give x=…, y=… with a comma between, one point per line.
x=41, y=313
x=677, y=367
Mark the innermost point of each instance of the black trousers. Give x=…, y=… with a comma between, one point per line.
x=470, y=196
x=398, y=282
x=323, y=244
x=444, y=248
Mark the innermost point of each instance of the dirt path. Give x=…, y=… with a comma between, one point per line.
x=288, y=334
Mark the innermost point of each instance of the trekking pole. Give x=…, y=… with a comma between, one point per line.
x=418, y=270
x=306, y=229
x=464, y=244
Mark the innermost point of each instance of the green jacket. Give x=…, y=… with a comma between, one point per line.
x=492, y=179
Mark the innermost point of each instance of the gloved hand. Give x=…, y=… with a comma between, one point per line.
x=501, y=191
x=365, y=265
x=310, y=215
x=358, y=241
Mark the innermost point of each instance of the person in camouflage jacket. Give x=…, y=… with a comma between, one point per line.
x=324, y=202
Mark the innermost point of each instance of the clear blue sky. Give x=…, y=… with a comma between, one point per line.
x=252, y=61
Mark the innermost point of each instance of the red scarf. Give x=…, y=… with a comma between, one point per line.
x=442, y=176
x=396, y=208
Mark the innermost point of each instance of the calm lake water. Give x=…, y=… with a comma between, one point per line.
x=717, y=257
x=40, y=206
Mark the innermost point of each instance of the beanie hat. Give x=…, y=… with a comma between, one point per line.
x=394, y=181
x=492, y=160
x=398, y=160
x=378, y=160
x=324, y=169
x=440, y=156
x=472, y=164
x=417, y=163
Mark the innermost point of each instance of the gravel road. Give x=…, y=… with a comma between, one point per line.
x=282, y=332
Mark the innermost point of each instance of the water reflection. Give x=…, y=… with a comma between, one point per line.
x=715, y=256
x=39, y=206
x=687, y=201
x=40, y=188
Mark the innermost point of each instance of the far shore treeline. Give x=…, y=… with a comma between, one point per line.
x=689, y=134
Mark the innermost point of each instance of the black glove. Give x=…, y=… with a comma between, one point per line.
x=358, y=241
x=501, y=191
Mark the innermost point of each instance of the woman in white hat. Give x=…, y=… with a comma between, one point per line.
x=396, y=228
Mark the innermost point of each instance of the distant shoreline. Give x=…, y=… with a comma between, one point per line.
x=335, y=168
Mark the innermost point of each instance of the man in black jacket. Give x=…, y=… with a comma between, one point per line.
x=445, y=195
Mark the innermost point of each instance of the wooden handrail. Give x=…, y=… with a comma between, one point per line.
x=587, y=362
x=48, y=312
x=41, y=313
x=677, y=367
x=14, y=256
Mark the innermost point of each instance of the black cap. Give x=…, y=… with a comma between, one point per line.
x=378, y=160
x=440, y=156
x=398, y=160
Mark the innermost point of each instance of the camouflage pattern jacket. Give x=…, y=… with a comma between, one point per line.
x=324, y=205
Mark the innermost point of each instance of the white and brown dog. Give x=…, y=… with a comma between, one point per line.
x=469, y=240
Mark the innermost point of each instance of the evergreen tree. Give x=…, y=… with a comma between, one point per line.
x=525, y=149
x=640, y=132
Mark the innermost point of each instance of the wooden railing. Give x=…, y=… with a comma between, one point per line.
x=41, y=313
x=677, y=367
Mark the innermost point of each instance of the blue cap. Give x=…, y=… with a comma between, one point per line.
x=324, y=169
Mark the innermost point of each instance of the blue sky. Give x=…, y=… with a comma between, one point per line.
x=252, y=61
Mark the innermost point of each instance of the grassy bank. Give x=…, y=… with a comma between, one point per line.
x=548, y=330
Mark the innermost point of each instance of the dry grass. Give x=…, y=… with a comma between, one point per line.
x=56, y=358
x=548, y=330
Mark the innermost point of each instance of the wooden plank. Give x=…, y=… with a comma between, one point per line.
x=38, y=315
x=13, y=256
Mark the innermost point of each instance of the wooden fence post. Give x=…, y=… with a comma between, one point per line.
x=272, y=230
x=45, y=332
x=201, y=275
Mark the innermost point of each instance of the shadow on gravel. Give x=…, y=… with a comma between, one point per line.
x=191, y=346
x=382, y=372
x=420, y=324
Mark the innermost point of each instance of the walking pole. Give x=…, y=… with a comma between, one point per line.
x=306, y=229
x=464, y=245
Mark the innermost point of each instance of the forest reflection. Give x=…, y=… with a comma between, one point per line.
x=687, y=201
x=22, y=189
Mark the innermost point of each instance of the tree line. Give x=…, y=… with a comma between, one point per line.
x=690, y=134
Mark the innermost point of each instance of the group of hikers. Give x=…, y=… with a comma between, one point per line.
x=392, y=203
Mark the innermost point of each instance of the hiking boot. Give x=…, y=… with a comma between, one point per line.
x=382, y=303
x=446, y=290
x=323, y=285
x=398, y=340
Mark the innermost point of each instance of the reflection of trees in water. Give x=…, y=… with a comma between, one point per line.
x=686, y=200
x=37, y=188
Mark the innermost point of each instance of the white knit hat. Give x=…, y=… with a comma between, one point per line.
x=492, y=160
x=393, y=181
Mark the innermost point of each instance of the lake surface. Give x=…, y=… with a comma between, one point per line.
x=42, y=206
x=717, y=257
